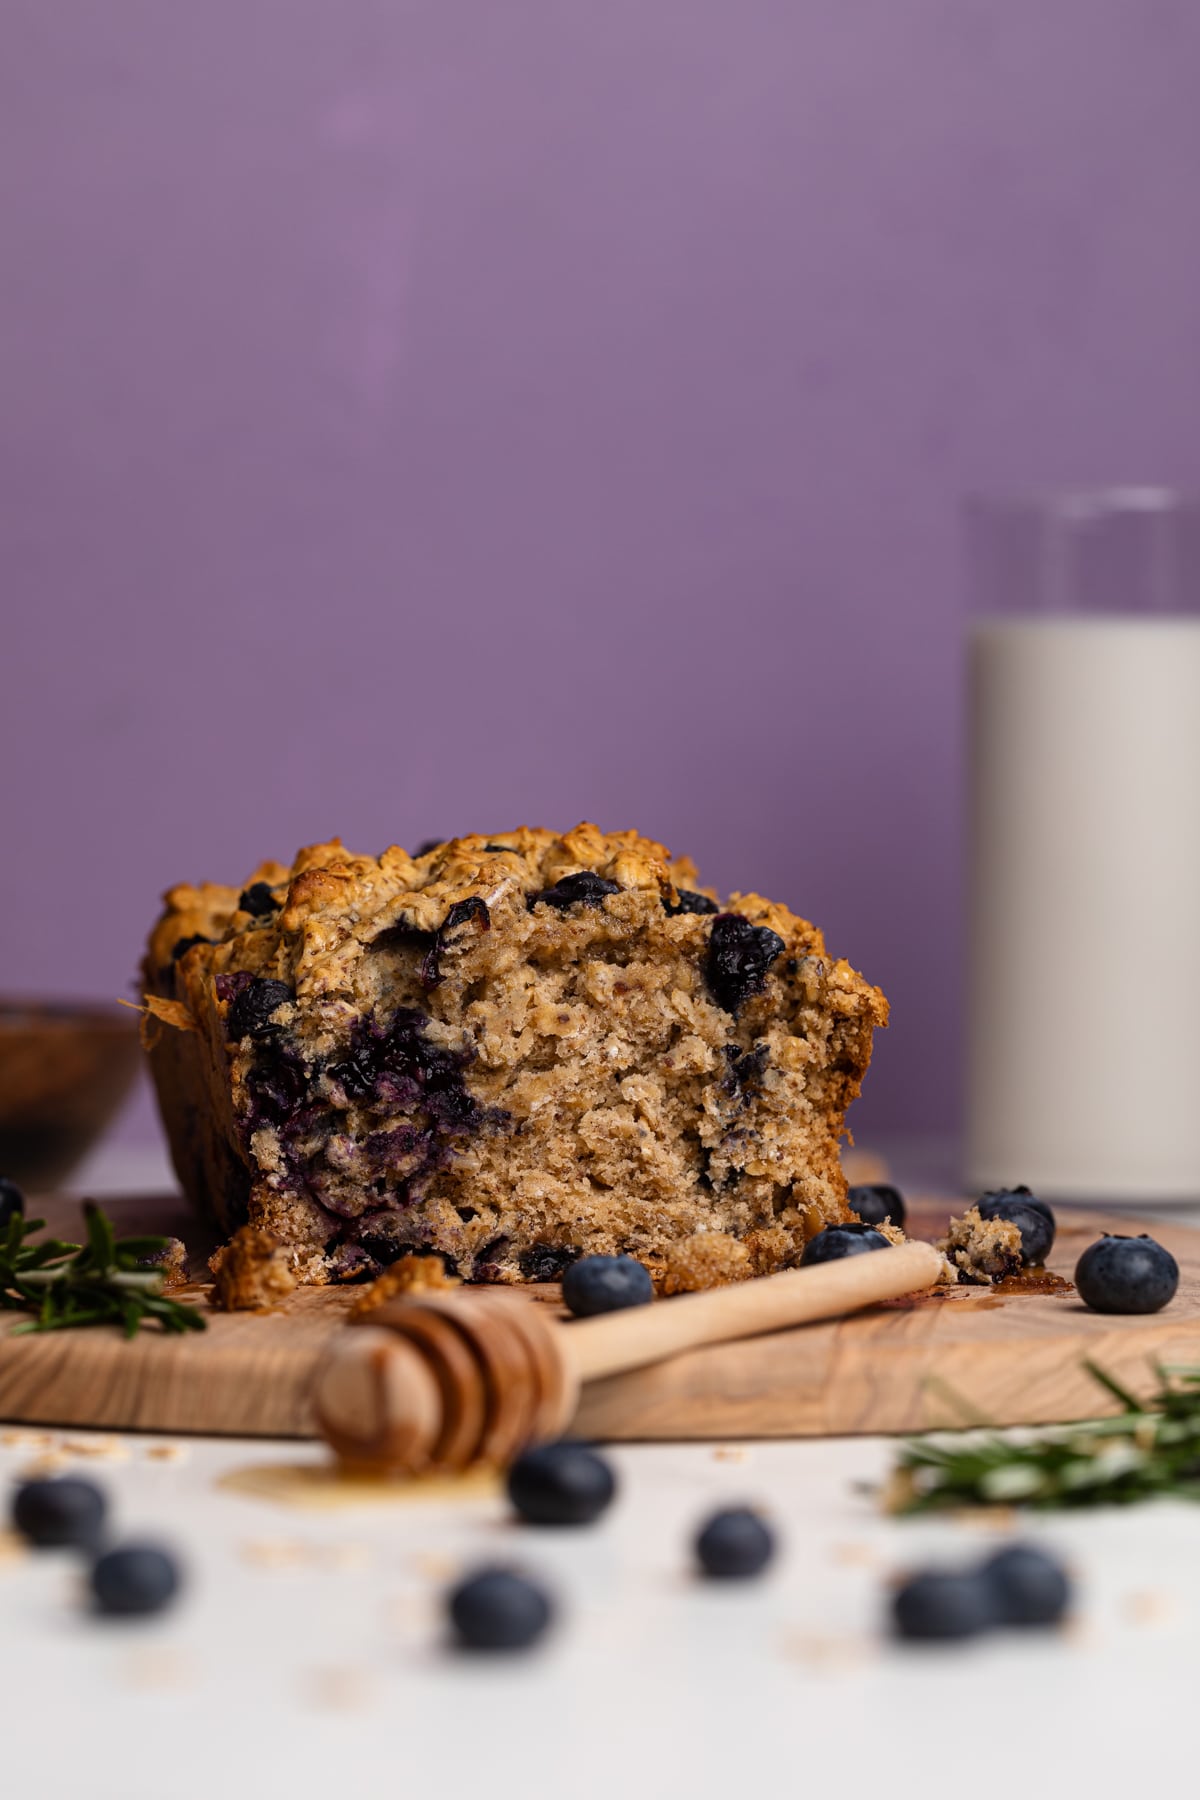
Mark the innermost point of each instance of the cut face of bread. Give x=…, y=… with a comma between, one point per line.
x=509, y=1051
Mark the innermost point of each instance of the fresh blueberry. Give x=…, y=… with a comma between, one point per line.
x=1126, y=1275
x=1025, y=1194
x=253, y=1006
x=134, y=1579
x=942, y=1604
x=687, y=900
x=600, y=1284
x=837, y=1241
x=734, y=1544
x=561, y=1484
x=12, y=1200
x=1034, y=1222
x=584, y=889
x=546, y=1262
x=1028, y=1587
x=184, y=944
x=739, y=955
x=258, y=900
x=497, y=1609
x=62, y=1510
x=877, y=1204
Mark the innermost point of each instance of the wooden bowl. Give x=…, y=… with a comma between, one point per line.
x=65, y=1068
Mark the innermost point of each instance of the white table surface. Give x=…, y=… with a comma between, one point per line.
x=308, y=1658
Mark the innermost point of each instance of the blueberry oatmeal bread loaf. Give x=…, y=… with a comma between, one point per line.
x=509, y=1050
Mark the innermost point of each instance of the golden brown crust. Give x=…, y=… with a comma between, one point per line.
x=631, y=1109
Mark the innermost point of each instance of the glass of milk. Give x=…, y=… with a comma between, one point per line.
x=1084, y=729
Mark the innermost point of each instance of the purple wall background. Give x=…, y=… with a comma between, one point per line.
x=427, y=417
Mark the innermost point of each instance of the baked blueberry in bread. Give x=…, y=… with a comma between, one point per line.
x=509, y=1051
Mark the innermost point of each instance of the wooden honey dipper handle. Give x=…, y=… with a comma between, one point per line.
x=444, y=1380
x=647, y=1334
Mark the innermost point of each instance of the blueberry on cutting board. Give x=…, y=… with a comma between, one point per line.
x=877, y=1203
x=1126, y=1275
x=600, y=1284
x=12, y=1201
x=837, y=1241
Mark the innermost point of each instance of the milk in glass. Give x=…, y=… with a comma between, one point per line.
x=1084, y=829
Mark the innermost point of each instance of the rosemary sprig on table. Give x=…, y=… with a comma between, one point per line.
x=1149, y=1449
x=103, y=1282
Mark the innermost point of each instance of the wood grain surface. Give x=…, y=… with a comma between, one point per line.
x=1014, y=1359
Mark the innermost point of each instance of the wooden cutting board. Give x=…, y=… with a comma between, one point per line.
x=1014, y=1359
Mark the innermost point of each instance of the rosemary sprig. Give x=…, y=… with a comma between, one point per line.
x=1148, y=1450
x=103, y=1282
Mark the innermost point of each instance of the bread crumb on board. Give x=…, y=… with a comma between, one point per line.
x=981, y=1251
x=410, y=1275
x=252, y=1272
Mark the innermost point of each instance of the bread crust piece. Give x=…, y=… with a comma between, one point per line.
x=510, y=1048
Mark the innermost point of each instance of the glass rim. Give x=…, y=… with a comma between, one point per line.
x=1081, y=505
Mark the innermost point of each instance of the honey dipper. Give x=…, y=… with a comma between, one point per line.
x=444, y=1380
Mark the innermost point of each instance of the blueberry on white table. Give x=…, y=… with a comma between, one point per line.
x=735, y=1544
x=1126, y=1275
x=938, y=1605
x=134, y=1580
x=61, y=1510
x=1028, y=1586
x=561, y=1484
x=1031, y=1216
x=497, y=1609
x=600, y=1284
x=877, y=1203
x=837, y=1241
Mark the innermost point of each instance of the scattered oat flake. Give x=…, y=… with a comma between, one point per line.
x=855, y=1556
x=28, y=1440
x=158, y=1668
x=435, y=1565
x=1148, y=1606
x=275, y=1553
x=53, y=1463
x=166, y=1452
x=820, y=1652
x=346, y=1557
x=730, y=1453
x=13, y=1547
x=987, y=1518
x=108, y=1449
x=339, y=1689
